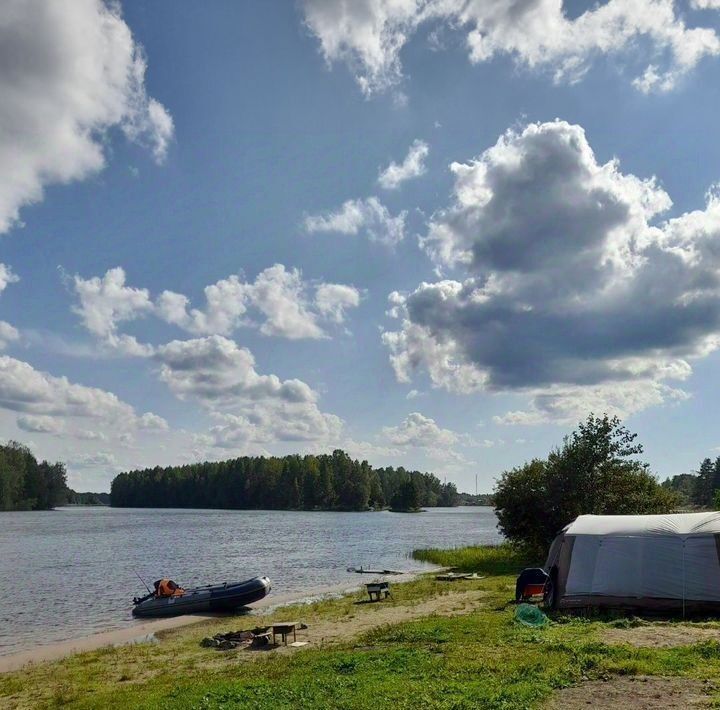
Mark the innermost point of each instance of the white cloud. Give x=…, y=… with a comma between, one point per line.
x=278, y=295
x=413, y=166
x=247, y=406
x=369, y=35
x=705, y=4
x=279, y=302
x=54, y=404
x=8, y=334
x=215, y=370
x=355, y=216
x=7, y=277
x=226, y=306
x=572, y=295
x=420, y=433
x=105, y=302
x=152, y=422
x=331, y=300
x=69, y=72
x=418, y=430
x=39, y=424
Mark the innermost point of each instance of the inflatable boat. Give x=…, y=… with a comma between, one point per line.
x=169, y=599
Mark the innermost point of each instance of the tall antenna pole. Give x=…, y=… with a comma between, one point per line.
x=476, y=484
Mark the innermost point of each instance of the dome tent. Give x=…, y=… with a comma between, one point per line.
x=643, y=562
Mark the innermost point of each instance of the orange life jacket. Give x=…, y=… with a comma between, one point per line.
x=168, y=588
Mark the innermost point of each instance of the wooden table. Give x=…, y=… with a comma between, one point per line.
x=283, y=629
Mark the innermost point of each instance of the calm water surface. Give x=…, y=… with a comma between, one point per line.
x=70, y=572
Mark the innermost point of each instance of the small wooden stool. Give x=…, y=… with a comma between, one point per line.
x=283, y=629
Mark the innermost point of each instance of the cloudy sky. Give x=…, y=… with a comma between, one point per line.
x=435, y=233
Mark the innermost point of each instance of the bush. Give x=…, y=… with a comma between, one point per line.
x=594, y=472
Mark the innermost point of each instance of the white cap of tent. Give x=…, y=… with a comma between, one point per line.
x=641, y=525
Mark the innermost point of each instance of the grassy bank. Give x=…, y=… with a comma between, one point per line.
x=434, y=645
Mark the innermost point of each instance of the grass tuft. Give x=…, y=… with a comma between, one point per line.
x=489, y=559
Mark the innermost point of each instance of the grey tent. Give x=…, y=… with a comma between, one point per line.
x=643, y=562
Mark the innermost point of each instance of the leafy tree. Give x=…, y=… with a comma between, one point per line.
x=26, y=484
x=407, y=496
x=683, y=485
x=704, y=483
x=593, y=472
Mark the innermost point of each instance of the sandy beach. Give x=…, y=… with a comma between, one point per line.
x=144, y=631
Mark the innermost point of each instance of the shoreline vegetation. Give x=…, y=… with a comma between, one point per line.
x=324, y=482
x=432, y=645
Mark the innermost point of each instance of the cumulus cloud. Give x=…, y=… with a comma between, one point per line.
x=422, y=431
x=573, y=294
x=7, y=277
x=152, y=422
x=69, y=72
x=39, y=424
x=50, y=404
x=279, y=302
x=248, y=406
x=105, y=302
x=226, y=306
x=369, y=35
x=418, y=432
x=332, y=300
x=278, y=295
x=368, y=216
x=413, y=166
x=8, y=334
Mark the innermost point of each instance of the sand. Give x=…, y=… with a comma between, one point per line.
x=145, y=631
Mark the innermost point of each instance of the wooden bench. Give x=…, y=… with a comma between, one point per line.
x=376, y=590
x=284, y=629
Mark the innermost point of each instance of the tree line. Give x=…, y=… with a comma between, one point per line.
x=701, y=488
x=324, y=482
x=594, y=471
x=29, y=484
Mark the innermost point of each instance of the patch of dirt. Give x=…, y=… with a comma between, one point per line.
x=370, y=616
x=634, y=693
x=661, y=636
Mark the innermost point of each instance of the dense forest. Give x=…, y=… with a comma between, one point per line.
x=700, y=488
x=326, y=482
x=26, y=484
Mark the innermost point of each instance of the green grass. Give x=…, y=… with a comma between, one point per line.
x=477, y=659
x=488, y=559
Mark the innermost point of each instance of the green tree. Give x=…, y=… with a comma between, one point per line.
x=593, y=472
x=704, y=483
x=407, y=497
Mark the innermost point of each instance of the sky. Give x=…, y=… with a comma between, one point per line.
x=434, y=233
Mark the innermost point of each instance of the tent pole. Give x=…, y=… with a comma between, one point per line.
x=683, y=579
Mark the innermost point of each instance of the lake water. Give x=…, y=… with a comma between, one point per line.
x=71, y=572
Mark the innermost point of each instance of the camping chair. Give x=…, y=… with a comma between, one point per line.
x=532, y=582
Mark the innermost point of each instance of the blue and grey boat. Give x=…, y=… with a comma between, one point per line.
x=169, y=599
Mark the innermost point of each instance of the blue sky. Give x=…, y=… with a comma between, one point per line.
x=241, y=144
